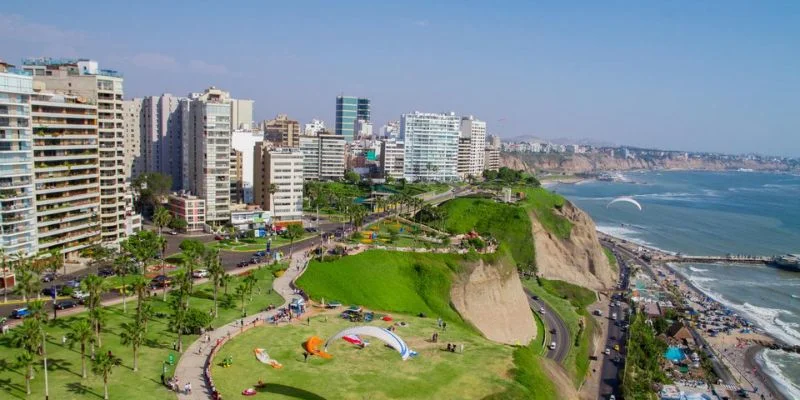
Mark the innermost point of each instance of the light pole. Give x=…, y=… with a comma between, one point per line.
x=44, y=352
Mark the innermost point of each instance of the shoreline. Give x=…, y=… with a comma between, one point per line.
x=750, y=360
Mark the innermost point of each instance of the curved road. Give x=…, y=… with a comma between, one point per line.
x=552, y=321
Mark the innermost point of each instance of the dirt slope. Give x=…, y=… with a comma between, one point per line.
x=579, y=259
x=491, y=298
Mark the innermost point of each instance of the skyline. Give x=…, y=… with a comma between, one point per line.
x=673, y=76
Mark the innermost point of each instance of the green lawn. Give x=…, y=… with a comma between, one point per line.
x=542, y=202
x=403, y=239
x=507, y=223
x=570, y=302
x=410, y=283
x=64, y=363
x=253, y=244
x=611, y=259
x=375, y=372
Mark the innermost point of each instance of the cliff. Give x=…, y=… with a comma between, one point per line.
x=491, y=298
x=599, y=162
x=578, y=259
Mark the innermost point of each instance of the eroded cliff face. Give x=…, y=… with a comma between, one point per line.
x=491, y=298
x=579, y=259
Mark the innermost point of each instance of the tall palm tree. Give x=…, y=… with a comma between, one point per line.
x=95, y=286
x=139, y=286
x=161, y=218
x=123, y=265
x=250, y=282
x=27, y=284
x=272, y=189
x=216, y=273
x=192, y=254
x=80, y=331
x=133, y=334
x=180, y=305
x=26, y=338
x=293, y=232
x=226, y=281
x=241, y=291
x=103, y=365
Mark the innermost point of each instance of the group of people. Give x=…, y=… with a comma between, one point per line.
x=451, y=347
x=175, y=385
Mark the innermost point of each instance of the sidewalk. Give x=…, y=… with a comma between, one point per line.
x=191, y=365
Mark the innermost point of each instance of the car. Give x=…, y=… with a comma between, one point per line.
x=52, y=291
x=80, y=295
x=217, y=237
x=106, y=272
x=173, y=233
x=20, y=313
x=74, y=283
x=541, y=310
x=553, y=331
x=48, y=277
x=260, y=253
x=161, y=281
x=535, y=297
x=552, y=345
x=65, y=304
x=200, y=273
x=607, y=351
x=616, y=347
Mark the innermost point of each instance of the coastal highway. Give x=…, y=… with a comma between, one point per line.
x=551, y=321
x=614, y=362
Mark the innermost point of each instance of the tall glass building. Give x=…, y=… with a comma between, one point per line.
x=431, y=146
x=17, y=201
x=348, y=110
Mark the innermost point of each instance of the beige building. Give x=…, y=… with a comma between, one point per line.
x=67, y=171
x=242, y=114
x=323, y=156
x=464, y=155
x=474, y=130
x=237, y=178
x=492, y=159
x=392, y=158
x=190, y=208
x=84, y=79
x=282, y=131
x=134, y=162
x=282, y=167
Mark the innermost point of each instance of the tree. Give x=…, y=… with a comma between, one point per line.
x=180, y=305
x=103, y=366
x=293, y=232
x=80, y=331
x=178, y=224
x=100, y=256
x=153, y=187
x=161, y=218
x=352, y=177
x=193, y=251
x=241, y=292
x=139, y=285
x=123, y=265
x=133, y=333
x=5, y=264
x=216, y=272
x=250, y=281
x=226, y=281
x=95, y=286
x=26, y=338
x=27, y=283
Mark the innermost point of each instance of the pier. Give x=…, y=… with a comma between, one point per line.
x=716, y=259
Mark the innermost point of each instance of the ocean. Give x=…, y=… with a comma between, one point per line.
x=716, y=213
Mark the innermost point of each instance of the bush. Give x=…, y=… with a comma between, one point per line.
x=195, y=320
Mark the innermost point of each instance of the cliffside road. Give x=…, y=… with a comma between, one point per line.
x=614, y=361
x=551, y=322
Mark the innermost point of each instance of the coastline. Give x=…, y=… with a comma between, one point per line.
x=750, y=362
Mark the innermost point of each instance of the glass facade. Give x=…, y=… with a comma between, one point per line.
x=348, y=110
x=431, y=146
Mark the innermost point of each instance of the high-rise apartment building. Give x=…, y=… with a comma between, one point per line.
x=134, y=162
x=391, y=130
x=207, y=151
x=282, y=131
x=464, y=155
x=363, y=129
x=17, y=201
x=85, y=79
x=242, y=114
x=431, y=146
x=475, y=130
x=392, y=158
x=67, y=171
x=314, y=127
x=348, y=111
x=494, y=141
x=244, y=141
x=492, y=159
x=161, y=136
x=282, y=167
x=237, y=178
x=323, y=156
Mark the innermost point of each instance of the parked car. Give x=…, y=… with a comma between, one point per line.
x=535, y=297
x=553, y=331
x=260, y=253
x=49, y=277
x=75, y=284
x=80, y=295
x=616, y=347
x=541, y=310
x=106, y=272
x=200, y=273
x=217, y=237
x=173, y=233
x=20, y=313
x=160, y=281
x=52, y=291
x=65, y=304
x=607, y=351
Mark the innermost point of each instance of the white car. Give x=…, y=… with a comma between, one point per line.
x=552, y=345
x=200, y=273
x=607, y=352
x=541, y=310
x=79, y=295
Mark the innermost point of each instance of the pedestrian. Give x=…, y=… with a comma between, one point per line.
x=174, y=345
x=439, y=322
x=309, y=321
x=63, y=340
x=162, y=379
x=305, y=356
x=444, y=326
x=187, y=388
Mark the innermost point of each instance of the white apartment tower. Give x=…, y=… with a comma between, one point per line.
x=207, y=150
x=84, y=79
x=392, y=158
x=244, y=141
x=475, y=130
x=282, y=167
x=17, y=201
x=431, y=146
x=314, y=127
x=323, y=156
x=134, y=163
x=161, y=136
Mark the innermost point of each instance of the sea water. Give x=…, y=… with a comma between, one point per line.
x=716, y=213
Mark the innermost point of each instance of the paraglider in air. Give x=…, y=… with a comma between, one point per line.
x=625, y=199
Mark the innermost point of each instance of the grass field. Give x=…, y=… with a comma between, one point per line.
x=612, y=261
x=542, y=202
x=404, y=238
x=570, y=302
x=409, y=283
x=64, y=364
x=508, y=224
x=375, y=372
x=252, y=244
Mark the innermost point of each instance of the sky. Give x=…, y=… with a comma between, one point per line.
x=708, y=76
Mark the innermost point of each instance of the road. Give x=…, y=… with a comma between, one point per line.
x=614, y=362
x=551, y=321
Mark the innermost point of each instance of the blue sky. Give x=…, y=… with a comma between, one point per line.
x=712, y=75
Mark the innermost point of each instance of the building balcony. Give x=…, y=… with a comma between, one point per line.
x=56, y=240
x=64, y=228
x=65, y=207
x=67, y=217
x=50, y=177
x=59, y=188
x=67, y=197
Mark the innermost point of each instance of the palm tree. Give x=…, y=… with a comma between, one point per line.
x=27, y=284
x=272, y=189
x=26, y=338
x=95, y=286
x=5, y=264
x=161, y=218
x=226, y=281
x=250, y=282
x=293, y=232
x=133, y=334
x=216, y=273
x=139, y=286
x=192, y=253
x=123, y=264
x=146, y=313
x=241, y=291
x=80, y=331
x=103, y=365
x=180, y=305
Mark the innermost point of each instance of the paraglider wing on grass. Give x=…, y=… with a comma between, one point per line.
x=381, y=334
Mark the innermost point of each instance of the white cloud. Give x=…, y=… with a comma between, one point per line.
x=421, y=22
x=155, y=61
x=207, y=68
x=13, y=26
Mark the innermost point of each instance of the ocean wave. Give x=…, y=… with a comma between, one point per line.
x=693, y=269
x=623, y=232
x=770, y=360
x=702, y=279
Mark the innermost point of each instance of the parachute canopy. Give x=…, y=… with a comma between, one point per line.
x=261, y=355
x=625, y=199
x=381, y=334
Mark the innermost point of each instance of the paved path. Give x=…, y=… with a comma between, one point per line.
x=192, y=363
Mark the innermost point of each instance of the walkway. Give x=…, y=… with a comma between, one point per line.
x=192, y=363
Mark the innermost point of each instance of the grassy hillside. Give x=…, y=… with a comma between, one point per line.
x=410, y=283
x=612, y=260
x=507, y=223
x=542, y=202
